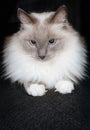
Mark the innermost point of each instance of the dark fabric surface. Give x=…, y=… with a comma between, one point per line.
x=52, y=111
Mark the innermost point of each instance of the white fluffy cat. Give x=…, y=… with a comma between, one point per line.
x=45, y=53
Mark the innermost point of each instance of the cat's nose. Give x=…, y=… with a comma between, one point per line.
x=42, y=57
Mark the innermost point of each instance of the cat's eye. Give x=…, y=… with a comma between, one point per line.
x=51, y=41
x=32, y=42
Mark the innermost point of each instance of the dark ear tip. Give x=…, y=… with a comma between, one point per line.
x=19, y=10
x=63, y=7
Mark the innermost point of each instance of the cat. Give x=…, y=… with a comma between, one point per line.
x=45, y=53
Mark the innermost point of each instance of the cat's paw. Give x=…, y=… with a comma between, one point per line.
x=36, y=90
x=64, y=87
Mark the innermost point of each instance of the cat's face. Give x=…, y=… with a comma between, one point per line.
x=42, y=35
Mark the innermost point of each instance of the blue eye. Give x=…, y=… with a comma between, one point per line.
x=32, y=42
x=51, y=41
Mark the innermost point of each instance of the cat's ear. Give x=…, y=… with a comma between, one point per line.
x=60, y=15
x=24, y=17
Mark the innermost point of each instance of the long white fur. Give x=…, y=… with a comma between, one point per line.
x=68, y=65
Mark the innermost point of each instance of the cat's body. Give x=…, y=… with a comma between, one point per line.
x=46, y=53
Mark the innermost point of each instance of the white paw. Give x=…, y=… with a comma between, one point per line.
x=64, y=87
x=36, y=90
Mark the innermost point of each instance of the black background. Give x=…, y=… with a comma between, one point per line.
x=52, y=111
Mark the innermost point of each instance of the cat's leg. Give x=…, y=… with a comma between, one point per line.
x=35, y=89
x=64, y=86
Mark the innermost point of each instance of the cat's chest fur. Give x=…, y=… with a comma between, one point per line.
x=47, y=72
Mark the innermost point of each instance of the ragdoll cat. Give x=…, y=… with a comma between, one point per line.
x=45, y=53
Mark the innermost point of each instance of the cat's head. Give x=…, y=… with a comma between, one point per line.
x=42, y=35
